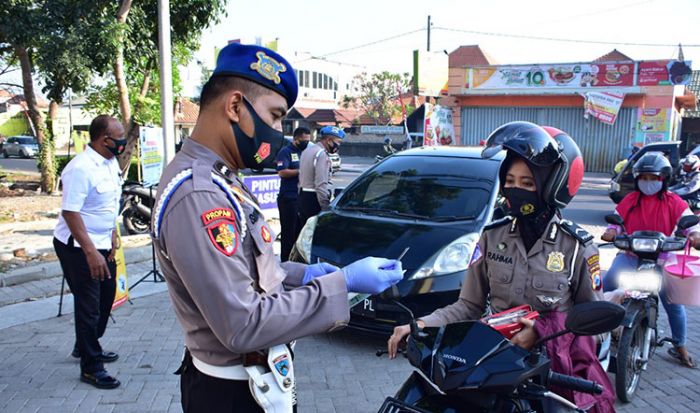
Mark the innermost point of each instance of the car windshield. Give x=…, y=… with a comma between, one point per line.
x=27, y=141
x=423, y=187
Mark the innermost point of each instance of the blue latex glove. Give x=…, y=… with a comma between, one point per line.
x=317, y=270
x=372, y=275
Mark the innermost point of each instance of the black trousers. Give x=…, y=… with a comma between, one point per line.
x=289, y=221
x=92, y=301
x=203, y=393
x=308, y=206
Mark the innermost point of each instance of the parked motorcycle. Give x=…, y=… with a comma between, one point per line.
x=471, y=367
x=638, y=340
x=136, y=205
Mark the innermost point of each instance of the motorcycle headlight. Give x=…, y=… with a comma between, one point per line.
x=306, y=238
x=645, y=244
x=644, y=281
x=453, y=258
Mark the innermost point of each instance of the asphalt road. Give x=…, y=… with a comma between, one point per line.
x=18, y=164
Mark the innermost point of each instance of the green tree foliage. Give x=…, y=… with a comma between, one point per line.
x=377, y=95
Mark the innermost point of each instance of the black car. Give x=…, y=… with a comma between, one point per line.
x=434, y=200
x=623, y=183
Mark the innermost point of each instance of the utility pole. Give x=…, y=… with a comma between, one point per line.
x=428, y=32
x=166, y=80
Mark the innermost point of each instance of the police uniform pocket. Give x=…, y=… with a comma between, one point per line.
x=500, y=274
x=550, y=283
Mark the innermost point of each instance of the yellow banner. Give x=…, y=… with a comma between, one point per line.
x=122, y=294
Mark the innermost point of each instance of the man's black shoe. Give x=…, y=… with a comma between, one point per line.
x=100, y=379
x=105, y=356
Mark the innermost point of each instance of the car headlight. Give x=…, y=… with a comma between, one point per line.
x=453, y=258
x=646, y=281
x=645, y=244
x=306, y=238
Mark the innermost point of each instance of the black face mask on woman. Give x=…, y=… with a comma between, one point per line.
x=260, y=150
x=523, y=203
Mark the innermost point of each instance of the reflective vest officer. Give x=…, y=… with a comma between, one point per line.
x=315, y=172
x=237, y=305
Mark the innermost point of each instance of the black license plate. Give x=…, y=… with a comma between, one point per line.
x=366, y=308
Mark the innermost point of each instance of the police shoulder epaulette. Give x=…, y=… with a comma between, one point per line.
x=498, y=223
x=573, y=229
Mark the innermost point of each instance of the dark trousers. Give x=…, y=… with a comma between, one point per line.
x=308, y=206
x=289, y=221
x=92, y=301
x=203, y=393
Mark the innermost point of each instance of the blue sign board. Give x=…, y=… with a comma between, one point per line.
x=265, y=188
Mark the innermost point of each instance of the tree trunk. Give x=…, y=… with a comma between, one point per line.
x=122, y=88
x=132, y=132
x=46, y=161
x=119, y=75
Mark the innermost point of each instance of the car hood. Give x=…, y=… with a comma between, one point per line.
x=341, y=238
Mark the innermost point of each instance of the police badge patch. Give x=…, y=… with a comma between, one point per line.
x=224, y=236
x=282, y=365
x=555, y=261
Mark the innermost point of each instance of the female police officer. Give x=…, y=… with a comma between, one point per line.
x=532, y=256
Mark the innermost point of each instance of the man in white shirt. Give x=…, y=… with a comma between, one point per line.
x=85, y=240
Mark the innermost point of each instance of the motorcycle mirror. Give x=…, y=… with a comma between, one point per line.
x=614, y=219
x=688, y=221
x=595, y=317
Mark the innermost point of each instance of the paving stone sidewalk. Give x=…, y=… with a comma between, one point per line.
x=337, y=372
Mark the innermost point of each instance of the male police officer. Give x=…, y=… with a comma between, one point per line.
x=236, y=303
x=288, y=197
x=315, y=173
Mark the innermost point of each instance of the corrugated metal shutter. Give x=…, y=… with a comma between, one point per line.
x=602, y=145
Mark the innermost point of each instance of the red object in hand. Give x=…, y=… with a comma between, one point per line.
x=506, y=322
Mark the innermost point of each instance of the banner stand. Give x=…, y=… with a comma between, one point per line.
x=157, y=276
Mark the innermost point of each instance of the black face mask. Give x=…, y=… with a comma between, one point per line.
x=302, y=145
x=260, y=150
x=333, y=147
x=523, y=203
x=119, y=146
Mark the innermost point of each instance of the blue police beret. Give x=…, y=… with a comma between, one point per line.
x=260, y=65
x=332, y=131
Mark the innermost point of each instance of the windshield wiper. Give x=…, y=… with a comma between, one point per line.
x=454, y=218
x=385, y=212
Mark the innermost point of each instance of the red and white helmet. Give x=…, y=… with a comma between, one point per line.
x=543, y=146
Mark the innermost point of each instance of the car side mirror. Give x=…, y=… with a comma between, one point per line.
x=614, y=219
x=688, y=221
x=594, y=317
x=337, y=191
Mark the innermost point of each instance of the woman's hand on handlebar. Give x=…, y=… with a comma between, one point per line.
x=609, y=235
x=399, y=335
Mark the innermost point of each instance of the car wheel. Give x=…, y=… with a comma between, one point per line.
x=5, y=154
x=23, y=154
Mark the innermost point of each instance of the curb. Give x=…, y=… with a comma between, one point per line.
x=53, y=269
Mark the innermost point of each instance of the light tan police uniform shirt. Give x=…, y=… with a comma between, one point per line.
x=558, y=272
x=229, y=291
x=315, y=173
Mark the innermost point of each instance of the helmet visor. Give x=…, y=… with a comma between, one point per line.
x=528, y=140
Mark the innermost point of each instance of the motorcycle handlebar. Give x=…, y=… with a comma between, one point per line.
x=575, y=383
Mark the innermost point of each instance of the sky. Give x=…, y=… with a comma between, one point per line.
x=324, y=27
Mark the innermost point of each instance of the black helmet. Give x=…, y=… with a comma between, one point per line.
x=654, y=163
x=542, y=147
x=387, y=140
